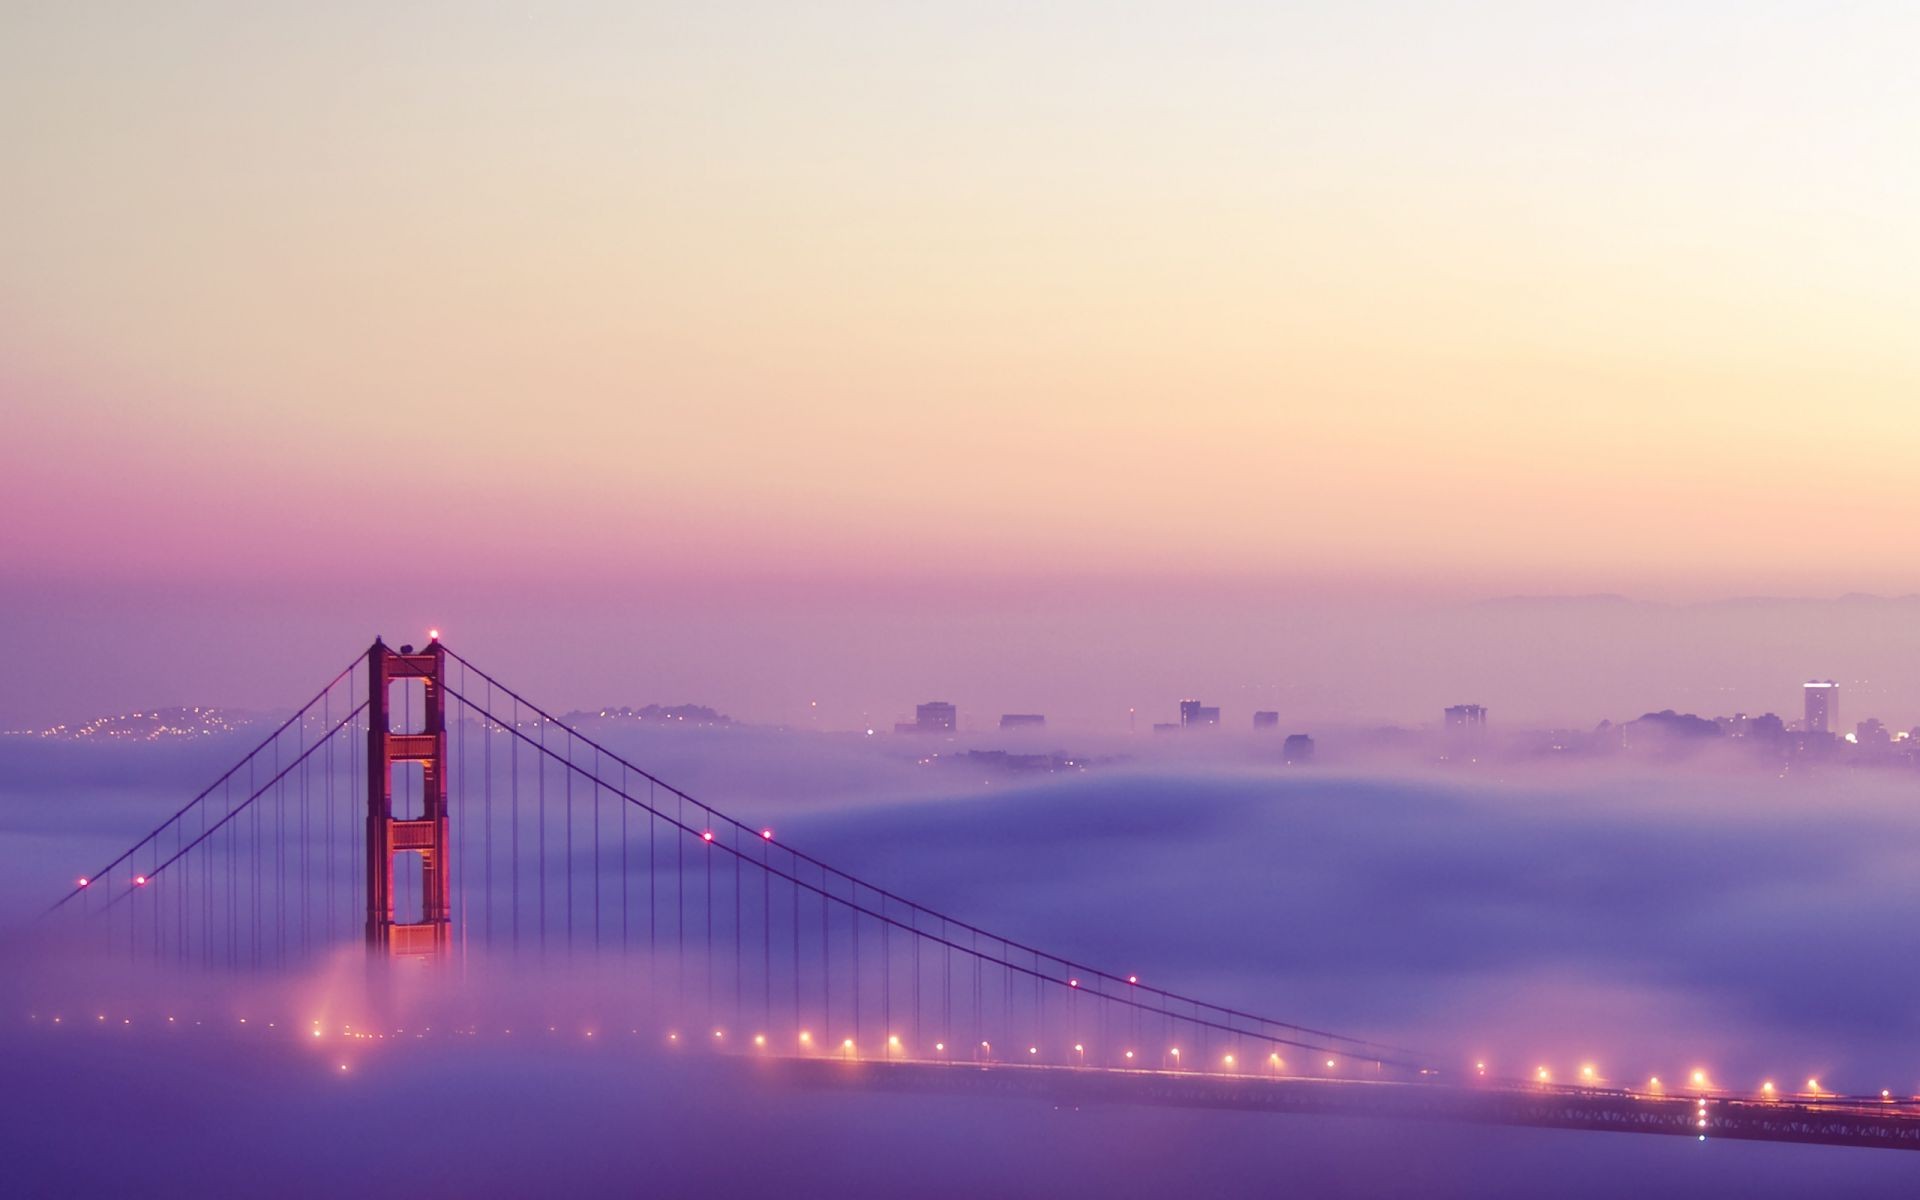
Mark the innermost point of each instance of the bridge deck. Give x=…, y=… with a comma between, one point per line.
x=1839, y=1123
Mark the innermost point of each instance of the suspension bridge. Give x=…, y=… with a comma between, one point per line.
x=424, y=807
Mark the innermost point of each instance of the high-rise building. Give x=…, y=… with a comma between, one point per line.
x=1209, y=715
x=1823, y=706
x=1266, y=720
x=1467, y=716
x=1022, y=721
x=935, y=716
x=1298, y=748
x=1189, y=712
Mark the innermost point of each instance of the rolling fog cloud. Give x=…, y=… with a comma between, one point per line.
x=1648, y=920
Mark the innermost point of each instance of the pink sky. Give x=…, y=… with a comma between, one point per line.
x=1373, y=304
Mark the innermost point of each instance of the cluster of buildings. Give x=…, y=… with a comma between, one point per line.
x=1297, y=748
x=1816, y=736
x=1817, y=732
x=938, y=716
x=941, y=717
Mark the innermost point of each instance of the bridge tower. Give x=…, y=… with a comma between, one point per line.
x=425, y=834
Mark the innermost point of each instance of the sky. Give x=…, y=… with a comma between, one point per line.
x=617, y=319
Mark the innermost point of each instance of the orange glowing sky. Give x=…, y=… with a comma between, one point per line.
x=1453, y=298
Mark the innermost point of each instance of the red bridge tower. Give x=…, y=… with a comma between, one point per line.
x=425, y=834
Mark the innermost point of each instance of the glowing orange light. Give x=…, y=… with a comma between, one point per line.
x=706, y=835
x=139, y=881
x=84, y=881
x=1129, y=1054
x=433, y=635
x=1133, y=979
x=805, y=1036
x=767, y=834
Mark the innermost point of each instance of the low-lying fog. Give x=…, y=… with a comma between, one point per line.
x=1648, y=920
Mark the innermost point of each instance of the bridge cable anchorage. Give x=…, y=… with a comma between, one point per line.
x=265, y=742
x=1350, y=1047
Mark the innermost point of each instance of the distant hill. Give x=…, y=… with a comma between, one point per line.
x=151, y=725
x=654, y=714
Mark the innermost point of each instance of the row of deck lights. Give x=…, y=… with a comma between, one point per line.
x=848, y=1046
x=1698, y=1080
x=1588, y=1073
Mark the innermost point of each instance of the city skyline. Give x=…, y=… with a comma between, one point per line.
x=938, y=717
